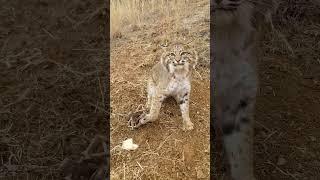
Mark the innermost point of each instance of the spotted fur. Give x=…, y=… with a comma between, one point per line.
x=235, y=77
x=171, y=77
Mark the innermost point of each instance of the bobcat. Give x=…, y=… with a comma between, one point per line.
x=234, y=73
x=170, y=77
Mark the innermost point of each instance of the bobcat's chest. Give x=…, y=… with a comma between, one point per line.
x=178, y=85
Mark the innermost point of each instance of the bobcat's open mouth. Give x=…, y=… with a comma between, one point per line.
x=178, y=64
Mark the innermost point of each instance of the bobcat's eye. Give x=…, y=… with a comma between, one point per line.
x=184, y=53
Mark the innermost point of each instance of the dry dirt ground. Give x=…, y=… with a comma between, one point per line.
x=52, y=84
x=165, y=151
x=287, y=141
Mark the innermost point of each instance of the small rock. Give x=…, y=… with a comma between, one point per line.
x=281, y=161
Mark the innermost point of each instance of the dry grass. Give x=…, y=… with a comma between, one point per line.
x=51, y=94
x=289, y=74
x=135, y=13
x=165, y=151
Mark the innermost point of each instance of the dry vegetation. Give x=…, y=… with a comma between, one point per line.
x=52, y=90
x=165, y=151
x=134, y=14
x=52, y=102
x=287, y=128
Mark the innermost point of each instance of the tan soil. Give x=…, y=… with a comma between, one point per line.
x=165, y=151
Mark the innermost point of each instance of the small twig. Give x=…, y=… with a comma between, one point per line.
x=100, y=50
x=105, y=147
x=20, y=98
x=94, y=155
x=198, y=74
x=50, y=34
x=124, y=171
x=114, y=148
x=25, y=167
x=162, y=143
x=6, y=130
x=90, y=16
x=71, y=70
x=282, y=37
x=282, y=171
x=140, y=108
x=69, y=19
x=92, y=144
x=264, y=127
x=269, y=136
x=4, y=45
x=100, y=87
x=310, y=87
x=139, y=165
x=98, y=107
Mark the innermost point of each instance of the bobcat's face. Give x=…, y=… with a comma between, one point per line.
x=177, y=58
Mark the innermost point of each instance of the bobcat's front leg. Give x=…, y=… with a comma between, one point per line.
x=154, y=111
x=151, y=93
x=183, y=102
x=155, y=107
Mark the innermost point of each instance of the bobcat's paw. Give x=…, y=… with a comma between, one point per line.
x=187, y=125
x=136, y=119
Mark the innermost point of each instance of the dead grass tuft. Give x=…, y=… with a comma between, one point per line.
x=136, y=13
